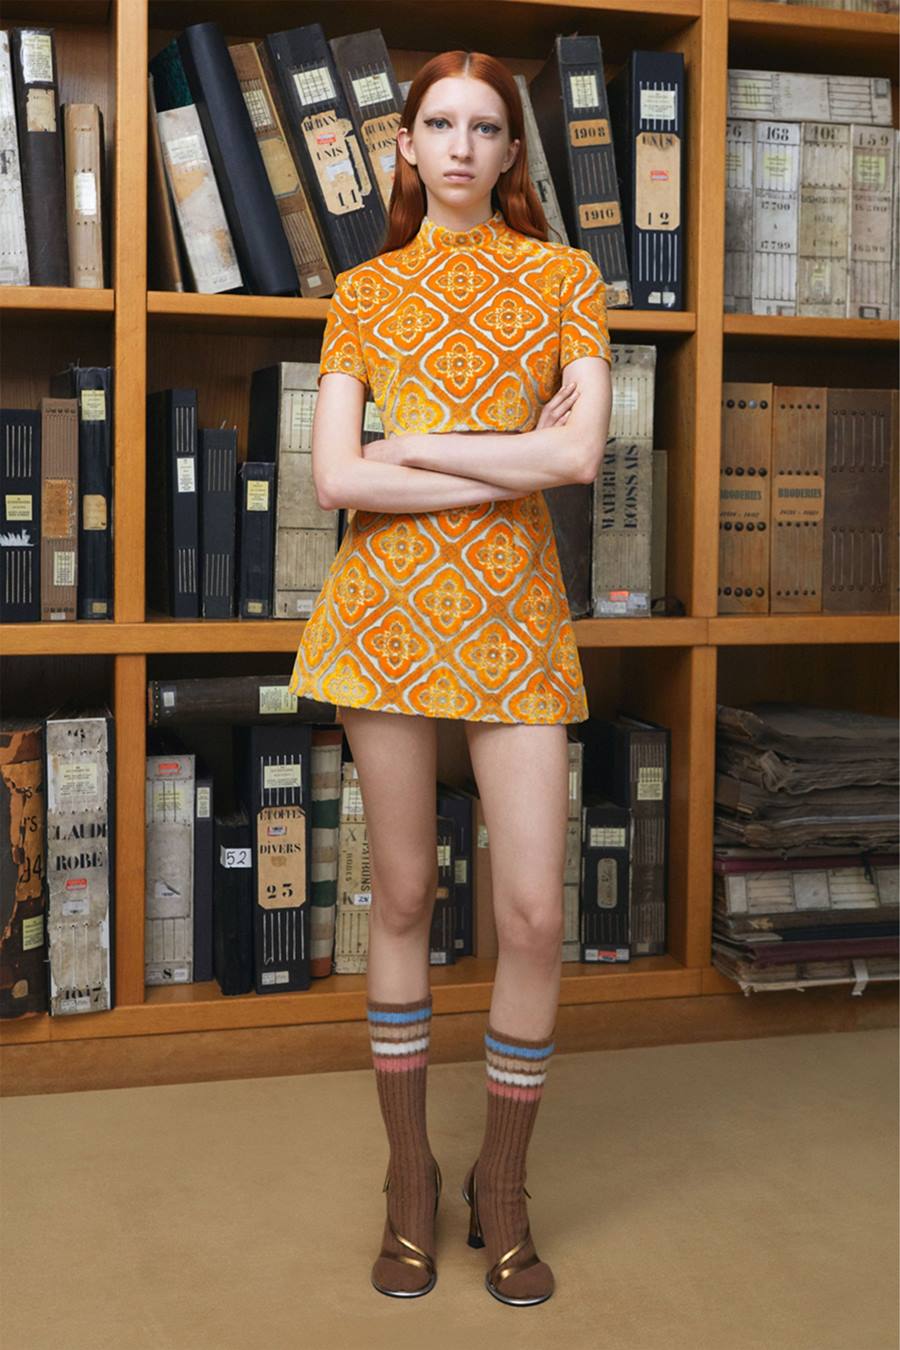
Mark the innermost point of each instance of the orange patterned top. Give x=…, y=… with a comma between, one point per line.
x=457, y=613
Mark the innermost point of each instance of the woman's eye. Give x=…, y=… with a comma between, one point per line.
x=430, y=122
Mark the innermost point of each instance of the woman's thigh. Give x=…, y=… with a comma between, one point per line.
x=396, y=759
x=522, y=774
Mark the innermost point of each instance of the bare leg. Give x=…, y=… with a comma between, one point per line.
x=396, y=758
x=522, y=775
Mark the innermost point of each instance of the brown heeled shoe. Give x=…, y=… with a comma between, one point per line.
x=420, y=1258
x=507, y=1265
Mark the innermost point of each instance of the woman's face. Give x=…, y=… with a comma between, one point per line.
x=462, y=127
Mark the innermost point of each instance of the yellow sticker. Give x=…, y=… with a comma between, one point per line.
x=93, y=512
x=18, y=506
x=93, y=405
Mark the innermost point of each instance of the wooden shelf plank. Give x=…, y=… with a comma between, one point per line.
x=729, y=630
x=803, y=328
x=465, y=987
x=86, y=638
x=514, y=29
x=46, y=301
x=283, y=635
x=189, y=310
x=803, y=37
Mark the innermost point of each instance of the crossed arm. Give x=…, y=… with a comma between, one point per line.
x=431, y=472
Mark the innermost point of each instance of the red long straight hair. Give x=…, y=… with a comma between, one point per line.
x=513, y=193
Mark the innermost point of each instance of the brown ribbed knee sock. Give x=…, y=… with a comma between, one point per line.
x=516, y=1069
x=400, y=1035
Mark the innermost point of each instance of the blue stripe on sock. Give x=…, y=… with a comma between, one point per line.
x=526, y=1052
x=418, y=1016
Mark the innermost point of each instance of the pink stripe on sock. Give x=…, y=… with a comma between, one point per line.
x=517, y=1094
x=398, y=1063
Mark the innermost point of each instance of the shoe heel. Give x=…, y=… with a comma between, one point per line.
x=475, y=1237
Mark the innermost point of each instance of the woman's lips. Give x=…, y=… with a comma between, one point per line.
x=467, y=177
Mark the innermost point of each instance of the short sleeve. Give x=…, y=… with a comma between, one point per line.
x=341, y=346
x=583, y=329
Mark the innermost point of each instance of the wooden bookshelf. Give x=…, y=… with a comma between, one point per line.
x=672, y=670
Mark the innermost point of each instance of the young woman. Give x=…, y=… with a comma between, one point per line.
x=446, y=599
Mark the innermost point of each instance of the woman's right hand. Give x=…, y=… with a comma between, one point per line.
x=560, y=405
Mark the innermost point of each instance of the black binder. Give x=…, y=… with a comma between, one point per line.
x=20, y=514
x=441, y=943
x=34, y=70
x=253, y=216
x=233, y=904
x=568, y=96
x=204, y=840
x=646, y=103
x=303, y=77
x=256, y=539
x=92, y=386
x=217, y=454
x=273, y=781
x=173, y=519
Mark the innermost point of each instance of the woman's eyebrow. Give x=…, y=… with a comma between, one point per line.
x=476, y=117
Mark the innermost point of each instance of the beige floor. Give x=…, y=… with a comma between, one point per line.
x=728, y=1196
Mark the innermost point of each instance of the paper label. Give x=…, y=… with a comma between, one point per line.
x=77, y=784
x=168, y=698
x=281, y=857
x=18, y=506
x=93, y=511
x=375, y=88
x=40, y=110
x=86, y=195
x=379, y=136
x=234, y=857
x=650, y=783
x=186, y=477
x=337, y=160
x=280, y=166
x=606, y=836
x=659, y=103
x=314, y=86
x=64, y=567
x=93, y=405
x=167, y=800
x=258, y=107
x=482, y=841
x=592, y=131
x=36, y=57
x=372, y=417
x=185, y=150
x=257, y=494
x=594, y=214
x=204, y=803
x=32, y=932
x=443, y=856
x=658, y=180
x=58, y=508
x=277, y=698
x=282, y=776
x=583, y=91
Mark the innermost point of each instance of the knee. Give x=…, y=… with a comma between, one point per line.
x=531, y=924
x=405, y=903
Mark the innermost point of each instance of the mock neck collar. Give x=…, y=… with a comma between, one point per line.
x=440, y=237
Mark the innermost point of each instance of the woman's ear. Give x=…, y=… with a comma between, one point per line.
x=404, y=145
